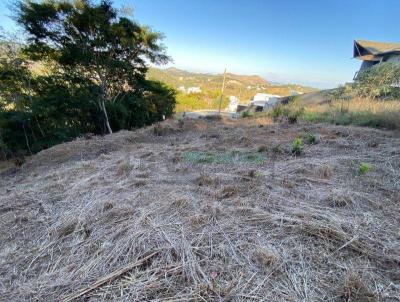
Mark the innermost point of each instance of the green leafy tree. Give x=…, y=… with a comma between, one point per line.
x=91, y=41
x=15, y=77
x=81, y=70
x=15, y=93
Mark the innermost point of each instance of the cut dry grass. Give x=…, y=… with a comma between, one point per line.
x=355, y=289
x=119, y=220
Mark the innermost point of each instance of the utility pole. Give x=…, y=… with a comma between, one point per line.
x=222, y=93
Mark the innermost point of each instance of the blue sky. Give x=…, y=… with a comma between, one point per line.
x=307, y=42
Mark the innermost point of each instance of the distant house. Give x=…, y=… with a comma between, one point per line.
x=193, y=90
x=373, y=53
x=182, y=88
x=264, y=100
x=233, y=104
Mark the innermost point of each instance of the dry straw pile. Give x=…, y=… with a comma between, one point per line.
x=128, y=217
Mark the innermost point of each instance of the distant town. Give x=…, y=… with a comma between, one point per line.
x=197, y=91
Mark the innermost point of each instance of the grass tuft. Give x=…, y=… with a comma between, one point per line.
x=297, y=146
x=245, y=114
x=311, y=138
x=363, y=168
x=223, y=157
x=355, y=289
x=124, y=168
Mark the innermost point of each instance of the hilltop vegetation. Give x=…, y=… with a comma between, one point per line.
x=372, y=100
x=81, y=70
x=242, y=86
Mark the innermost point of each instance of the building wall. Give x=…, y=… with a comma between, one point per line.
x=367, y=64
x=394, y=59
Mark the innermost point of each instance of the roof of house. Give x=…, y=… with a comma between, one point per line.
x=373, y=51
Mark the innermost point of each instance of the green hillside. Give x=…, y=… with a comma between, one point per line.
x=242, y=86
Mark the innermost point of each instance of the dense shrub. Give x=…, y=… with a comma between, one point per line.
x=60, y=112
x=154, y=102
x=379, y=81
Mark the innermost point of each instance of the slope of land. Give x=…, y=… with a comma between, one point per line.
x=241, y=86
x=199, y=210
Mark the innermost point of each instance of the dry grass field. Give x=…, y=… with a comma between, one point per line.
x=206, y=210
x=357, y=111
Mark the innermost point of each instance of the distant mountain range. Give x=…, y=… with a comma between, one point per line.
x=242, y=86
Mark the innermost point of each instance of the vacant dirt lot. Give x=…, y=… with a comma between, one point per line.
x=200, y=210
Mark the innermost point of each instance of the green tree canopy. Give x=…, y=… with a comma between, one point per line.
x=81, y=69
x=91, y=41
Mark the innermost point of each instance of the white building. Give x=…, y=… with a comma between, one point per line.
x=182, y=88
x=264, y=100
x=373, y=53
x=233, y=103
x=193, y=90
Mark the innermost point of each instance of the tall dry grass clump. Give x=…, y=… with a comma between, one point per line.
x=357, y=111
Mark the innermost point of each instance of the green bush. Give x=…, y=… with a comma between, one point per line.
x=297, y=146
x=245, y=114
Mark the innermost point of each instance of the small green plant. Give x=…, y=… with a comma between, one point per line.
x=246, y=114
x=311, y=138
x=297, y=146
x=364, y=168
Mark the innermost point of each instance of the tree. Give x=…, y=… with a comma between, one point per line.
x=91, y=41
x=82, y=69
x=14, y=76
x=15, y=91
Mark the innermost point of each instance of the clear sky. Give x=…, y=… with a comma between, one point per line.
x=307, y=42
